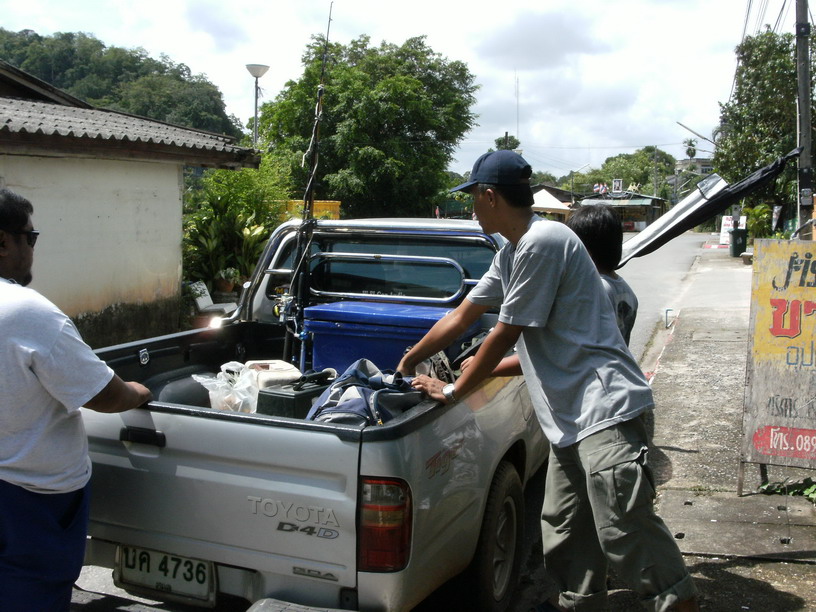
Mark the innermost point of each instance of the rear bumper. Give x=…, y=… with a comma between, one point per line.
x=276, y=605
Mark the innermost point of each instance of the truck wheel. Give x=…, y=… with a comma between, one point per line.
x=493, y=574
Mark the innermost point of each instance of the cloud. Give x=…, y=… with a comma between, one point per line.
x=542, y=41
x=217, y=21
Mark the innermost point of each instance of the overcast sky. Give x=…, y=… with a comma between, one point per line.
x=576, y=82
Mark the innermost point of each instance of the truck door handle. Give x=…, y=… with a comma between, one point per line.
x=142, y=435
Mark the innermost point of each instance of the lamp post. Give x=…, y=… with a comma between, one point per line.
x=256, y=70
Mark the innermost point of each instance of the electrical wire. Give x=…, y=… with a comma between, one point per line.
x=748, y=5
x=782, y=16
x=760, y=17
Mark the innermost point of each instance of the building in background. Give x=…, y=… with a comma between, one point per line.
x=107, y=193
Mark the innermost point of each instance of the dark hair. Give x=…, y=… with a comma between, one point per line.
x=519, y=195
x=600, y=229
x=14, y=210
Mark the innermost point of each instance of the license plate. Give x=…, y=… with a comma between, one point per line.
x=164, y=575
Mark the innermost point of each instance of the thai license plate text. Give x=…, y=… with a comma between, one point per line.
x=165, y=573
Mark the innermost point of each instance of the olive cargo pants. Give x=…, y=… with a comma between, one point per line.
x=598, y=513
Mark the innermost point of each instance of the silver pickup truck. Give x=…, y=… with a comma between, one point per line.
x=193, y=504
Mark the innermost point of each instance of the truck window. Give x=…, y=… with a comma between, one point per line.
x=387, y=278
x=473, y=255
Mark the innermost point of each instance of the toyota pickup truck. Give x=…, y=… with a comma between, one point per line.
x=198, y=505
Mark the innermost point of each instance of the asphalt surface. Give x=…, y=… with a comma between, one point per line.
x=749, y=552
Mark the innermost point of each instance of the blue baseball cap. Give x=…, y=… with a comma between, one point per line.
x=498, y=168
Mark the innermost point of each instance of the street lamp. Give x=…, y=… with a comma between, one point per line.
x=256, y=70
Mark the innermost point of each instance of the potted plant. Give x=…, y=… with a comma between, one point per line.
x=225, y=279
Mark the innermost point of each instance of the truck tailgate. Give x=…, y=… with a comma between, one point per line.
x=267, y=494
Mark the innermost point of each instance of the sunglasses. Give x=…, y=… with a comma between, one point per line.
x=31, y=235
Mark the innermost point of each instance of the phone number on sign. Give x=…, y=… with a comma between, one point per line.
x=786, y=442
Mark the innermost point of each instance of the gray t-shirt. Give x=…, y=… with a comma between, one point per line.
x=579, y=372
x=46, y=373
x=624, y=301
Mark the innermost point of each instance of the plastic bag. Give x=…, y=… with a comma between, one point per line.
x=234, y=388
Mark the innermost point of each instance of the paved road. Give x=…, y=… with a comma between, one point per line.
x=656, y=279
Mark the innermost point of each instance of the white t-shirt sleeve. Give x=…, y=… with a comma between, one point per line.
x=70, y=371
x=488, y=291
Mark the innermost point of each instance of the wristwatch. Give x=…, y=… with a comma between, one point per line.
x=447, y=391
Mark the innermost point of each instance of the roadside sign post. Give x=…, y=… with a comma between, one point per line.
x=779, y=414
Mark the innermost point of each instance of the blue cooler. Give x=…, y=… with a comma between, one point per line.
x=343, y=332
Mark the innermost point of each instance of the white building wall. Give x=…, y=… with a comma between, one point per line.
x=111, y=230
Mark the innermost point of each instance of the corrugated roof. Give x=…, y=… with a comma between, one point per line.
x=32, y=117
x=38, y=118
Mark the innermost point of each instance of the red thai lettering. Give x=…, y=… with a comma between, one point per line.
x=781, y=308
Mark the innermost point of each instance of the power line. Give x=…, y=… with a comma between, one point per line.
x=760, y=18
x=782, y=16
x=742, y=40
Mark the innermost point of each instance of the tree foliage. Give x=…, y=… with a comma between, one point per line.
x=542, y=176
x=392, y=117
x=228, y=222
x=759, y=124
x=508, y=142
x=644, y=167
x=120, y=79
x=691, y=147
x=639, y=170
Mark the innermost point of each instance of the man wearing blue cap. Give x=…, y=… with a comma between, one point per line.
x=587, y=390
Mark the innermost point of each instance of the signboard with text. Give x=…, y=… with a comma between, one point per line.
x=779, y=422
x=727, y=226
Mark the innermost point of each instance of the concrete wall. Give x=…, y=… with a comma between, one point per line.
x=111, y=233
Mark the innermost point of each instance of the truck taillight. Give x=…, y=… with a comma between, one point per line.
x=385, y=525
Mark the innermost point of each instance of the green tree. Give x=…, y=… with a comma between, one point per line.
x=392, y=118
x=691, y=147
x=508, y=142
x=547, y=178
x=229, y=216
x=120, y=79
x=642, y=167
x=758, y=124
x=193, y=102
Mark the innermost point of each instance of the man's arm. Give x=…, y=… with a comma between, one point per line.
x=118, y=396
x=490, y=353
x=509, y=366
x=444, y=331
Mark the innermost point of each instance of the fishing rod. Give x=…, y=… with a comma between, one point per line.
x=300, y=274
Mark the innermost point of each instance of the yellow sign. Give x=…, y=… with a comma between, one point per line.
x=323, y=209
x=779, y=423
x=784, y=296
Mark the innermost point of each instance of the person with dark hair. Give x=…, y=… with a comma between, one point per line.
x=46, y=373
x=600, y=229
x=587, y=390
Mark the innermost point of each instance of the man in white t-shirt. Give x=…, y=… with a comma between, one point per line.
x=587, y=391
x=46, y=374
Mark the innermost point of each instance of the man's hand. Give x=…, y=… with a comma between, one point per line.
x=118, y=396
x=405, y=368
x=432, y=387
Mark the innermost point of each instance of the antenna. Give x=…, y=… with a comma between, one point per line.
x=518, y=135
x=300, y=274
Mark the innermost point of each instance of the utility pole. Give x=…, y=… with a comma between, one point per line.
x=654, y=191
x=805, y=208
